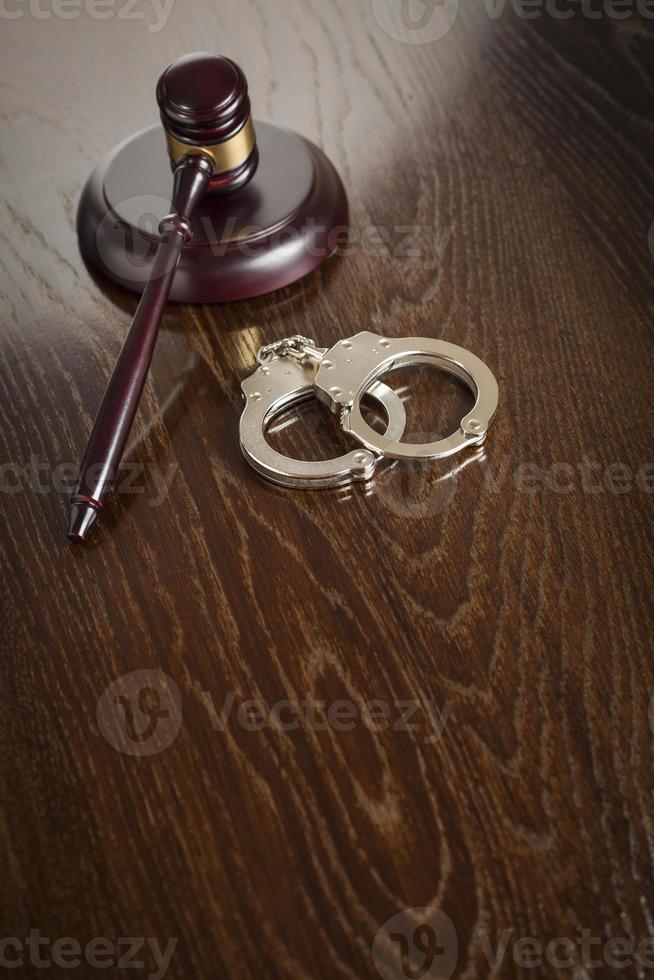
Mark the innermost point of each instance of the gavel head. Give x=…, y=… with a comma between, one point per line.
x=205, y=109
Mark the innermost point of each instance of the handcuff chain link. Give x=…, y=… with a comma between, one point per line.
x=295, y=346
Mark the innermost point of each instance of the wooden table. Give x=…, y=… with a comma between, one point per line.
x=502, y=192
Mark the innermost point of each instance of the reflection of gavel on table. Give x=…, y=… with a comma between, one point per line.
x=228, y=236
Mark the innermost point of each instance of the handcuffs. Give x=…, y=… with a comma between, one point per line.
x=293, y=370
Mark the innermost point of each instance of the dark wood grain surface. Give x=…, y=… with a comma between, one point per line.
x=502, y=191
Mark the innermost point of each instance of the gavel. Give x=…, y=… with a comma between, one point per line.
x=210, y=136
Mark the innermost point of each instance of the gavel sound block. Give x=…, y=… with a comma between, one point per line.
x=274, y=218
x=253, y=208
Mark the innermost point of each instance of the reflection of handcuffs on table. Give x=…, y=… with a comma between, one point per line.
x=291, y=371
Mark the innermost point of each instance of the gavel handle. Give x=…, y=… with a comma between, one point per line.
x=121, y=398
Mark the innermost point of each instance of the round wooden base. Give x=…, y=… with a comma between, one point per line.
x=287, y=220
